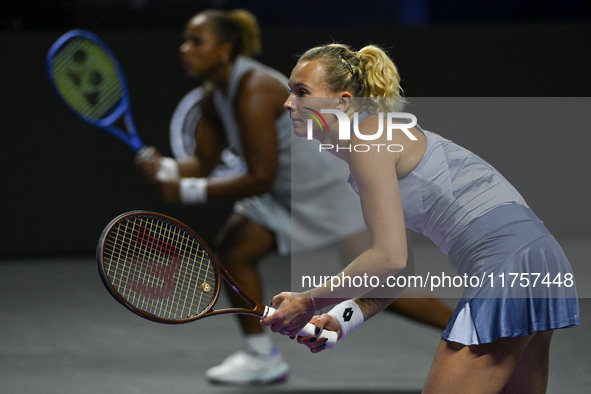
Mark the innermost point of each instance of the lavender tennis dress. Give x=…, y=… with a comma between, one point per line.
x=484, y=225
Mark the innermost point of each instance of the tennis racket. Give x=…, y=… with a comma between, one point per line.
x=161, y=270
x=89, y=80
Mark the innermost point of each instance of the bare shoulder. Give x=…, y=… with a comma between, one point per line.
x=257, y=79
x=260, y=88
x=407, y=144
x=259, y=102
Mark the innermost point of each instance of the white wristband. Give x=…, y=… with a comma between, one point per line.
x=193, y=190
x=349, y=316
x=169, y=169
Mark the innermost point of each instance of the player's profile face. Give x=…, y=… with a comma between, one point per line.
x=307, y=91
x=201, y=51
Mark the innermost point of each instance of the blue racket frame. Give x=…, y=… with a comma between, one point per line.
x=131, y=138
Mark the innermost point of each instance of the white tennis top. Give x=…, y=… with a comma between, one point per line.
x=225, y=106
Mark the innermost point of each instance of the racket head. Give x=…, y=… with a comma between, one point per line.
x=158, y=268
x=87, y=77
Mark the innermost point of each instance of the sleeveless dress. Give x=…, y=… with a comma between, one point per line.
x=298, y=209
x=484, y=225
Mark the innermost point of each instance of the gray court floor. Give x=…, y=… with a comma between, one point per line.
x=61, y=332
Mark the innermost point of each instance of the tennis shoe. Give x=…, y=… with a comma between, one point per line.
x=249, y=367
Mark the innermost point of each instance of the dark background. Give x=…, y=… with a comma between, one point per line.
x=63, y=180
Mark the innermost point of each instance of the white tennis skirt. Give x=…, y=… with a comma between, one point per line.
x=311, y=208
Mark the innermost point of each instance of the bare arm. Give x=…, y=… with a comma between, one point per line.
x=210, y=138
x=375, y=174
x=259, y=102
x=370, y=305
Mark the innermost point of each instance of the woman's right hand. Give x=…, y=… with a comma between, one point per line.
x=155, y=167
x=148, y=161
x=322, y=322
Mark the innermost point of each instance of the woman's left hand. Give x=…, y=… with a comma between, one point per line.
x=294, y=312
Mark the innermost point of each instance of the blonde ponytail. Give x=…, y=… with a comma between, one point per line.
x=380, y=72
x=367, y=73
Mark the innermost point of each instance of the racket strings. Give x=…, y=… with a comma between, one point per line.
x=159, y=268
x=159, y=304
x=86, y=78
x=164, y=303
x=127, y=236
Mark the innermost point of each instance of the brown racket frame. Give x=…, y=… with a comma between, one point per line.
x=258, y=309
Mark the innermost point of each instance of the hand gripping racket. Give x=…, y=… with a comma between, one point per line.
x=161, y=270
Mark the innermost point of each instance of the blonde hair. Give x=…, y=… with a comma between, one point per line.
x=368, y=72
x=238, y=27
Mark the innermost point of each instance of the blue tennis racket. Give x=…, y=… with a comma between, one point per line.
x=90, y=82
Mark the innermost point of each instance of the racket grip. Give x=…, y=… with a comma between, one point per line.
x=168, y=169
x=145, y=153
x=309, y=331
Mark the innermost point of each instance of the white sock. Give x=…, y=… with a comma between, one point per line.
x=260, y=343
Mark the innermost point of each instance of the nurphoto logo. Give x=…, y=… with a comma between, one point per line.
x=345, y=129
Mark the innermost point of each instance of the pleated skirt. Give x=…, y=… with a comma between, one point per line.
x=525, y=281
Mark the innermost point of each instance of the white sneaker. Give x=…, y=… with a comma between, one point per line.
x=248, y=367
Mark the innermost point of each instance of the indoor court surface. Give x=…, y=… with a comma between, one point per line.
x=508, y=80
x=63, y=333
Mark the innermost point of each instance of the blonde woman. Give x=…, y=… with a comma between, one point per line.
x=498, y=338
